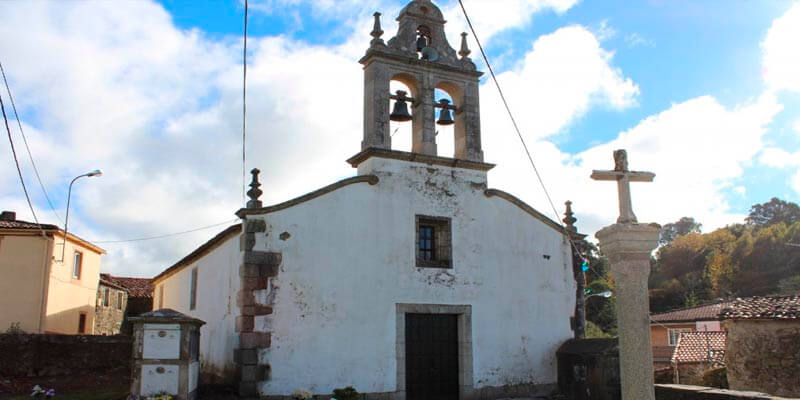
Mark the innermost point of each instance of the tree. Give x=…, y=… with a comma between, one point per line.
x=773, y=212
x=682, y=227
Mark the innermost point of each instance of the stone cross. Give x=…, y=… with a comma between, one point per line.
x=628, y=245
x=624, y=177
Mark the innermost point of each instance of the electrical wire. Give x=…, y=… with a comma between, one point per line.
x=27, y=148
x=521, y=138
x=244, y=107
x=19, y=170
x=164, y=235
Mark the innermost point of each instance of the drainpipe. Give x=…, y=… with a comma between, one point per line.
x=46, y=267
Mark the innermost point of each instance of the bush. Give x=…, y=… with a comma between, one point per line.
x=348, y=393
x=716, y=378
x=594, y=331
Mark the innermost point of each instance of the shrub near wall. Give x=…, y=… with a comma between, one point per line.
x=25, y=355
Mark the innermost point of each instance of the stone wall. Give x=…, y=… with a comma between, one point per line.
x=692, y=373
x=688, y=392
x=31, y=355
x=764, y=356
x=108, y=316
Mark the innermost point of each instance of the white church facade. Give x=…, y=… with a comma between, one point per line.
x=411, y=280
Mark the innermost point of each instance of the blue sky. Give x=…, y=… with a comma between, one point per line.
x=705, y=94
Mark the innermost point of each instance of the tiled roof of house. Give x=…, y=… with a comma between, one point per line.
x=700, y=347
x=136, y=287
x=708, y=312
x=17, y=224
x=109, y=283
x=773, y=307
x=8, y=220
x=663, y=352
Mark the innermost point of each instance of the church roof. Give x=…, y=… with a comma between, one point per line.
x=200, y=251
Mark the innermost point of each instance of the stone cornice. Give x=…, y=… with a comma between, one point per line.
x=371, y=179
x=417, y=157
x=530, y=210
x=404, y=59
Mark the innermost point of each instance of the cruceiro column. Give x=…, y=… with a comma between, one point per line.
x=628, y=245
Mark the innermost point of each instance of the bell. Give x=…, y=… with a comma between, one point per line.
x=445, y=115
x=400, y=112
x=422, y=43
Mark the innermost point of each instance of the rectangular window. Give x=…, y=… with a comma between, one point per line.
x=193, y=290
x=105, y=297
x=119, y=301
x=161, y=296
x=426, y=243
x=77, y=260
x=82, y=323
x=675, y=333
x=434, y=242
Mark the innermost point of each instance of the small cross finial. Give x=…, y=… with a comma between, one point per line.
x=254, y=193
x=377, y=32
x=569, y=218
x=465, y=51
x=624, y=177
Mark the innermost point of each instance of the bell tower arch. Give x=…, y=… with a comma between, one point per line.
x=420, y=57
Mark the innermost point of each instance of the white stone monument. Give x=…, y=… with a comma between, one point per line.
x=628, y=245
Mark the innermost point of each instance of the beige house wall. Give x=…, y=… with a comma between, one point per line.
x=69, y=297
x=23, y=262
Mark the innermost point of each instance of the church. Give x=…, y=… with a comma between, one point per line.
x=412, y=279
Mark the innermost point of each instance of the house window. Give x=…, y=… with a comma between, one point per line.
x=193, y=290
x=119, y=301
x=82, y=323
x=675, y=333
x=433, y=244
x=105, y=297
x=161, y=296
x=77, y=261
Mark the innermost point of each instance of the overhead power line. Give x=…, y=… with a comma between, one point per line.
x=519, y=134
x=244, y=107
x=16, y=162
x=140, y=239
x=27, y=148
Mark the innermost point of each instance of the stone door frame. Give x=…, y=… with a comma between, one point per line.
x=464, y=314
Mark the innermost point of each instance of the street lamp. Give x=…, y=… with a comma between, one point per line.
x=605, y=294
x=96, y=172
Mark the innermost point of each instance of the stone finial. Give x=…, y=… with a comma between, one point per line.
x=254, y=193
x=465, y=51
x=377, y=32
x=569, y=218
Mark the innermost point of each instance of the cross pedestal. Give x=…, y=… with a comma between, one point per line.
x=628, y=244
x=628, y=248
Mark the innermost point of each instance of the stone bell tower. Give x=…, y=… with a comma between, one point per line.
x=420, y=57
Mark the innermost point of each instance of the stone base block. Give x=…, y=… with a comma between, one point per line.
x=257, y=310
x=255, y=340
x=245, y=323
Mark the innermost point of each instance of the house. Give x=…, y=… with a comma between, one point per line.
x=666, y=328
x=140, y=293
x=695, y=353
x=410, y=279
x=112, y=300
x=763, y=348
x=49, y=283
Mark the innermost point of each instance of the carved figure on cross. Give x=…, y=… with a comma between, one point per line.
x=623, y=178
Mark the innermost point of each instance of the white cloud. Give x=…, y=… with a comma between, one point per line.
x=796, y=126
x=564, y=74
x=492, y=17
x=781, y=52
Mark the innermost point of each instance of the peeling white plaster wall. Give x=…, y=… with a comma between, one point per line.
x=350, y=258
x=217, y=284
